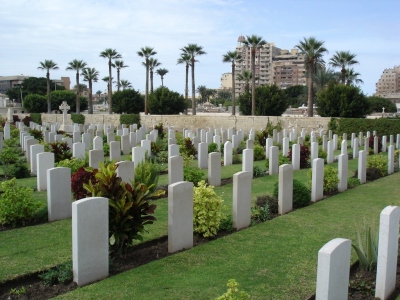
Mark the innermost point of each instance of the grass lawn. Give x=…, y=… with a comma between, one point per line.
x=273, y=260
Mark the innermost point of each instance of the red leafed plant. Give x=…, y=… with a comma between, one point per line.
x=81, y=176
x=304, y=156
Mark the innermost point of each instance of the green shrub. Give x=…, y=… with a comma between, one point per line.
x=323, y=154
x=78, y=118
x=282, y=160
x=331, y=179
x=74, y=164
x=259, y=153
x=239, y=149
x=260, y=212
x=129, y=209
x=301, y=194
x=8, y=156
x=130, y=119
x=37, y=134
x=233, y=292
x=37, y=118
x=373, y=174
x=236, y=159
x=367, y=250
x=147, y=173
x=16, y=203
x=60, y=274
x=187, y=148
x=226, y=223
x=257, y=172
x=384, y=126
x=213, y=147
x=19, y=170
x=267, y=200
x=207, y=210
x=353, y=182
x=61, y=151
x=378, y=161
x=106, y=149
x=192, y=174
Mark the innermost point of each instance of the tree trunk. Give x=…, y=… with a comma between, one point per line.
x=78, y=94
x=118, y=83
x=90, y=108
x=233, y=89
x=146, y=95
x=109, y=88
x=253, y=81
x=310, y=109
x=343, y=75
x=151, y=81
x=162, y=82
x=187, y=87
x=48, y=93
x=193, y=91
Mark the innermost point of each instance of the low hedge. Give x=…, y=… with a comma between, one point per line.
x=384, y=126
x=129, y=119
x=78, y=118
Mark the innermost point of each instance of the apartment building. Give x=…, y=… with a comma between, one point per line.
x=289, y=69
x=226, y=82
x=388, y=86
x=272, y=65
x=9, y=82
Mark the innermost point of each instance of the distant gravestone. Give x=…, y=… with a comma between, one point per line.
x=390, y=160
x=317, y=182
x=202, y=155
x=268, y=144
x=95, y=157
x=355, y=148
x=241, y=207
x=296, y=157
x=173, y=150
x=86, y=139
x=98, y=143
x=175, y=169
x=35, y=150
x=59, y=194
x=115, y=151
x=126, y=170
x=125, y=144
x=214, y=169
x=273, y=160
x=343, y=172
x=146, y=144
x=285, y=189
x=138, y=155
x=362, y=166
x=227, y=153
x=247, y=161
x=78, y=150
x=45, y=161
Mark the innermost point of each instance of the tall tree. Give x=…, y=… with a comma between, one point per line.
x=313, y=51
x=232, y=57
x=48, y=65
x=193, y=50
x=323, y=77
x=77, y=65
x=352, y=77
x=343, y=59
x=110, y=54
x=125, y=84
x=153, y=62
x=107, y=80
x=254, y=42
x=119, y=64
x=246, y=76
x=162, y=72
x=146, y=52
x=90, y=75
x=185, y=59
x=202, y=91
x=98, y=93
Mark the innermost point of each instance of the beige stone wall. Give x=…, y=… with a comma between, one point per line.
x=240, y=122
x=205, y=121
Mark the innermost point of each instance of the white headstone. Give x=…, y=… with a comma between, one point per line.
x=138, y=155
x=227, y=153
x=175, y=169
x=59, y=202
x=214, y=169
x=35, y=149
x=78, y=150
x=45, y=161
x=202, y=155
x=362, y=166
x=296, y=157
x=285, y=189
x=95, y=157
x=125, y=144
x=241, y=209
x=98, y=143
x=343, y=172
x=317, y=184
x=115, y=151
x=273, y=160
x=126, y=170
x=247, y=161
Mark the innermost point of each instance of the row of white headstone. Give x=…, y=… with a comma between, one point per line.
x=334, y=261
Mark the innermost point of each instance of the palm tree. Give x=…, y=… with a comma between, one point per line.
x=146, y=52
x=193, y=50
x=90, y=75
x=77, y=65
x=99, y=94
x=343, y=59
x=110, y=54
x=254, y=42
x=48, y=65
x=162, y=73
x=352, y=77
x=313, y=51
x=323, y=77
x=125, y=84
x=185, y=59
x=119, y=64
x=153, y=62
x=232, y=57
x=202, y=91
x=246, y=76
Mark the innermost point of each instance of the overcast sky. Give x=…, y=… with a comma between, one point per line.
x=35, y=30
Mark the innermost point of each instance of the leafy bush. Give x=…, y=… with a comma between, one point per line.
x=226, y=223
x=61, y=151
x=192, y=174
x=384, y=126
x=267, y=200
x=301, y=194
x=129, y=209
x=378, y=161
x=187, y=148
x=331, y=179
x=239, y=149
x=8, y=156
x=353, y=182
x=147, y=173
x=127, y=102
x=207, y=209
x=166, y=102
x=267, y=132
x=371, y=143
x=62, y=273
x=81, y=176
x=213, y=147
x=16, y=203
x=37, y=134
x=257, y=172
x=26, y=120
x=322, y=154
x=130, y=119
x=74, y=164
x=373, y=174
x=260, y=212
x=259, y=153
x=233, y=292
x=106, y=149
x=160, y=129
x=282, y=160
x=19, y=170
x=78, y=118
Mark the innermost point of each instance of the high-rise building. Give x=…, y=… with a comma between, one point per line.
x=388, y=86
x=289, y=69
x=272, y=65
x=226, y=82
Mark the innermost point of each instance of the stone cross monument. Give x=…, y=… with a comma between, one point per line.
x=64, y=107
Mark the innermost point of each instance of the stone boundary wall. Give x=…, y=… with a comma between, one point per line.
x=240, y=122
x=205, y=121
